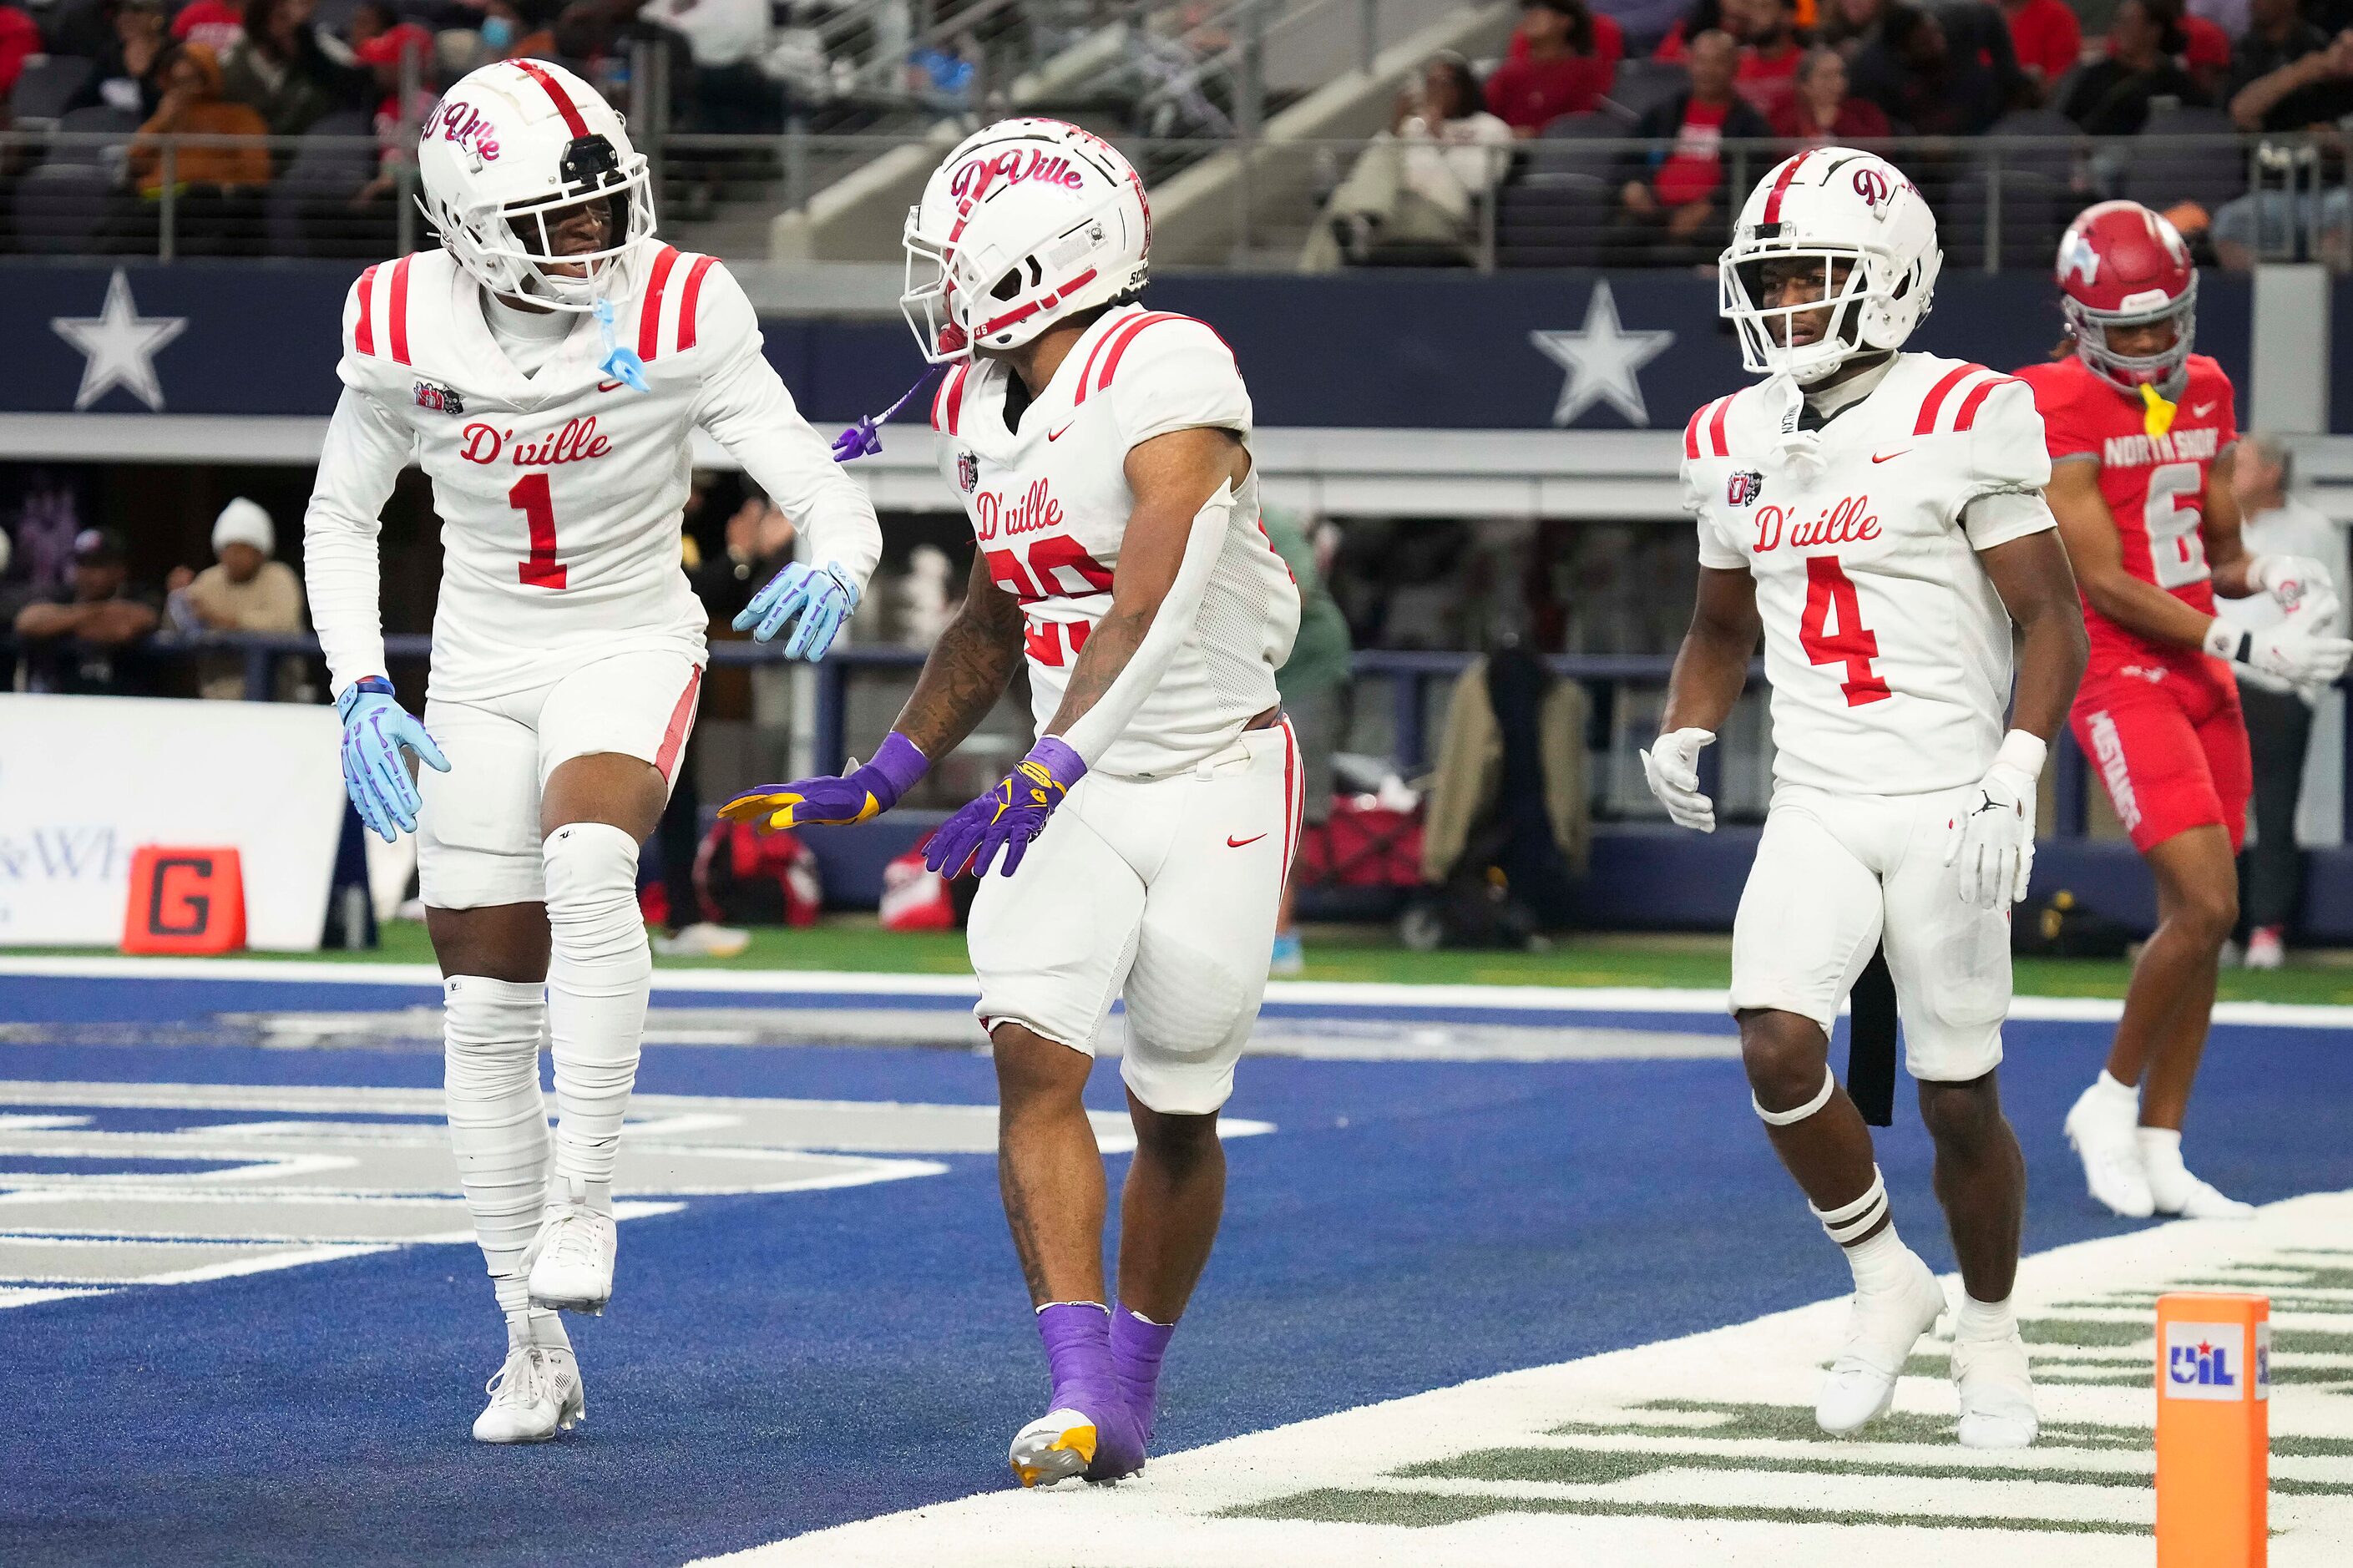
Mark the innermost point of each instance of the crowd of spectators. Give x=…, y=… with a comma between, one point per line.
x=1798, y=72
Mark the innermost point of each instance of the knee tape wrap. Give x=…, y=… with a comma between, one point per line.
x=1850, y=1221
x=591, y=870
x=1784, y=1117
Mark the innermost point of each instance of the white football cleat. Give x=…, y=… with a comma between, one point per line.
x=703, y=939
x=1879, y=1333
x=1997, y=1393
x=2266, y=948
x=535, y=1396
x=2190, y=1197
x=570, y=1261
x=2108, y=1137
x=1056, y=1447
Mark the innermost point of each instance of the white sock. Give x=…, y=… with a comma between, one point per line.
x=2115, y=1094
x=1878, y=1263
x=1983, y=1319
x=599, y=972
x=491, y=1033
x=2160, y=1154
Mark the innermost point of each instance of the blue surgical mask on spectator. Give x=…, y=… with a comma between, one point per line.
x=498, y=32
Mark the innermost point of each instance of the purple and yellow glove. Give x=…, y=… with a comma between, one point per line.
x=862, y=793
x=1009, y=815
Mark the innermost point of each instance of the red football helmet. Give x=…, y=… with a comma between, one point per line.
x=2121, y=265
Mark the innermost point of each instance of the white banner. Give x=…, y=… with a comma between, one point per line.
x=86, y=781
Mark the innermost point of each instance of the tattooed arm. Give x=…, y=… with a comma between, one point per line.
x=968, y=669
x=1184, y=483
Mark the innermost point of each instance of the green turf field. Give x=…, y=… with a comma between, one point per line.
x=1370, y=952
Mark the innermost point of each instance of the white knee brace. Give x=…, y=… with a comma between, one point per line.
x=599, y=971
x=1784, y=1117
x=491, y=1031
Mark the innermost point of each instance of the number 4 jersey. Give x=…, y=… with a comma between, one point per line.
x=1886, y=647
x=2152, y=474
x=1049, y=502
x=559, y=493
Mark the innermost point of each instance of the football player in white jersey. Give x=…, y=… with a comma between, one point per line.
x=1102, y=453
x=1879, y=516
x=546, y=369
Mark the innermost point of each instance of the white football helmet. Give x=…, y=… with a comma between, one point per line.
x=1834, y=205
x=510, y=148
x=1027, y=222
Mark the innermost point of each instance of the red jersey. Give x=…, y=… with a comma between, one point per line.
x=2155, y=486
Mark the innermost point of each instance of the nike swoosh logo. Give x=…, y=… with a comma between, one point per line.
x=2202, y=410
x=1889, y=456
x=1057, y=435
x=1234, y=843
x=609, y=386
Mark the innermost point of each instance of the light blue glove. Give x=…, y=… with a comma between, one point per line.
x=821, y=596
x=376, y=727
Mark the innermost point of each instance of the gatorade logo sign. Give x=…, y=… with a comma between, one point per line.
x=2208, y=1361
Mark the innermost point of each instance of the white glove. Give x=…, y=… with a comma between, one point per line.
x=1992, y=842
x=2292, y=580
x=2299, y=650
x=1670, y=767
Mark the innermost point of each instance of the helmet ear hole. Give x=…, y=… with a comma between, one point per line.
x=1008, y=285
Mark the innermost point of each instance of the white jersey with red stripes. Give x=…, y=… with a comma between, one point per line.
x=1886, y=647
x=1049, y=503
x=559, y=493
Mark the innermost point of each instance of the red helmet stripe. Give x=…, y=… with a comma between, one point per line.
x=689, y=300
x=397, y=317
x=1935, y=404
x=649, y=313
x=563, y=100
x=364, y=333
x=1968, y=417
x=1773, y=197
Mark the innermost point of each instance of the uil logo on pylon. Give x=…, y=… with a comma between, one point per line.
x=2205, y=1361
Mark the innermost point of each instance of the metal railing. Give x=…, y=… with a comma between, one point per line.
x=1412, y=678
x=1553, y=201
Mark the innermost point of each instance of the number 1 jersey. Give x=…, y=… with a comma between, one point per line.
x=559, y=493
x=1049, y=503
x=1886, y=647
x=2154, y=484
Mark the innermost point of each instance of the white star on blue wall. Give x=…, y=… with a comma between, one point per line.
x=1603, y=360
x=119, y=347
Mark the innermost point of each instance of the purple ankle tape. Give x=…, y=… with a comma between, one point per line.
x=1077, y=1336
x=1136, y=1347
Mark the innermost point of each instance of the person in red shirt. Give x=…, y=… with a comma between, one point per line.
x=1668, y=211
x=2048, y=38
x=1821, y=113
x=2141, y=433
x=20, y=39
x=1562, y=61
x=1766, y=31
x=216, y=24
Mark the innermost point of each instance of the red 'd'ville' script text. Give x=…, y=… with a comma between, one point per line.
x=1841, y=525
x=1033, y=511
x=576, y=443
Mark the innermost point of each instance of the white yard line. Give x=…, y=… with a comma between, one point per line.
x=1318, y=1492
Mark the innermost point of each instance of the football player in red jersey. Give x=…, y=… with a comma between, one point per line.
x=2141, y=432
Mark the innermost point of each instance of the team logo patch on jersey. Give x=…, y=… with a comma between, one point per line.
x=443, y=399
x=968, y=472
x=1743, y=487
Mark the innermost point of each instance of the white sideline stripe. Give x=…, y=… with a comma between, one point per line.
x=880, y=989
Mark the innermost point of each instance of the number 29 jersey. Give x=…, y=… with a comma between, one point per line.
x=2154, y=484
x=1886, y=647
x=1049, y=502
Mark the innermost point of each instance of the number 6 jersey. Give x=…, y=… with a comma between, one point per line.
x=2152, y=474
x=1049, y=502
x=1886, y=647
x=559, y=493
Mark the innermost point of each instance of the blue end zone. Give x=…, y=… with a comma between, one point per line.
x=775, y=1364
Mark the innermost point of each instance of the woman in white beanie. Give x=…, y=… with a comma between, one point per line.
x=243, y=591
